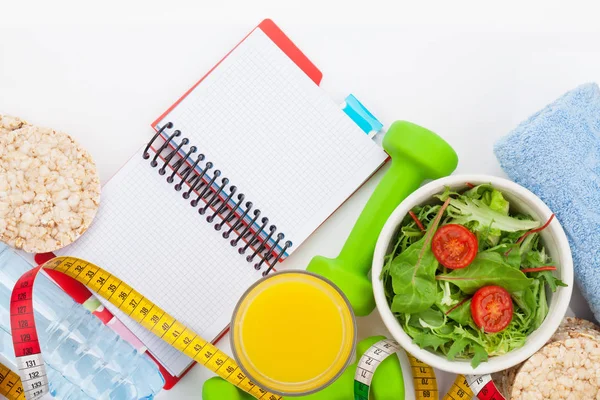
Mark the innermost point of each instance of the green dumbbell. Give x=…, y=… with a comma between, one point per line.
x=417, y=155
x=388, y=383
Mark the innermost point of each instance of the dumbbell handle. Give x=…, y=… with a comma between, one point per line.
x=401, y=179
x=417, y=154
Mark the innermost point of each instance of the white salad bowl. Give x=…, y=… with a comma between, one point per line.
x=553, y=238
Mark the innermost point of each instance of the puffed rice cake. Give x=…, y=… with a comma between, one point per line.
x=8, y=124
x=568, y=367
x=49, y=187
x=572, y=327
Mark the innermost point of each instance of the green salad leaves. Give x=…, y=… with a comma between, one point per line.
x=433, y=303
x=414, y=271
x=487, y=269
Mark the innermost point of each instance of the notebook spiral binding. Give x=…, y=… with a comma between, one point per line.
x=235, y=217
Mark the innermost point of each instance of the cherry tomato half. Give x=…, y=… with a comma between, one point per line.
x=454, y=246
x=492, y=308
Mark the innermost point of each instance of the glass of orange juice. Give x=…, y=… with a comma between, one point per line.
x=293, y=333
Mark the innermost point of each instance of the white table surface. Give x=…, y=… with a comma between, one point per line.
x=469, y=72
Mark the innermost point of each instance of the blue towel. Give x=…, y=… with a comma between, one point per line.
x=556, y=155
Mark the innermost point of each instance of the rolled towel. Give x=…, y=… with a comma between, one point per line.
x=556, y=154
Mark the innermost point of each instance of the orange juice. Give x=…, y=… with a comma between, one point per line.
x=293, y=332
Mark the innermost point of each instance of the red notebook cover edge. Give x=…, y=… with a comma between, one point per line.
x=291, y=50
x=281, y=40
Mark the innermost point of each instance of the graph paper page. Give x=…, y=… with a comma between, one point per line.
x=149, y=237
x=277, y=136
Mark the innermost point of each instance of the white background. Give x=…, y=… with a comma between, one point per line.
x=470, y=71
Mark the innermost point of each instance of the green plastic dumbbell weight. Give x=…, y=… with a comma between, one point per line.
x=388, y=383
x=417, y=155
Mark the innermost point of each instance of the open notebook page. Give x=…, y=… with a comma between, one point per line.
x=147, y=235
x=277, y=136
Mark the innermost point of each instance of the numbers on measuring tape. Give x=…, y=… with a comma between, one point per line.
x=474, y=386
x=423, y=376
x=10, y=383
x=459, y=390
x=424, y=379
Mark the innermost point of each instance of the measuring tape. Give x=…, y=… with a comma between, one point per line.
x=481, y=386
x=424, y=380
x=30, y=362
x=10, y=384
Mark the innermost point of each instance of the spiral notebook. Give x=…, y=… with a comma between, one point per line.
x=241, y=170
